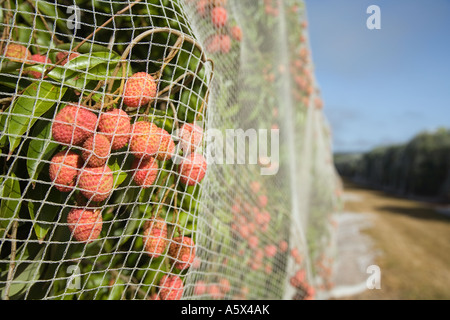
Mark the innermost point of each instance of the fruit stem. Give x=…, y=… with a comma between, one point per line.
x=12, y=263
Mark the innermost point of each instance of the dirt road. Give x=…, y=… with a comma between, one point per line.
x=413, y=242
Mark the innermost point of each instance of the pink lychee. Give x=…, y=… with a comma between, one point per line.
x=73, y=125
x=116, y=126
x=139, y=90
x=64, y=169
x=171, y=287
x=96, y=150
x=85, y=224
x=96, y=184
x=145, y=172
x=192, y=170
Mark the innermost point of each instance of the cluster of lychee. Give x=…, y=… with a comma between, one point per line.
x=224, y=33
x=249, y=223
x=217, y=288
x=18, y=53
x=180, y=250
x=77, y=127
x=304, y=291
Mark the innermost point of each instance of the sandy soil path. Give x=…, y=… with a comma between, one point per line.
x=408, y=240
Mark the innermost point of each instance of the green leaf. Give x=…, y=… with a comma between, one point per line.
x=118, y=174
x=25, y=274
x=37, y=99
x=43, y=209
x=88, y=61
x=10, y=206
x=41, y=148
x=51, y=12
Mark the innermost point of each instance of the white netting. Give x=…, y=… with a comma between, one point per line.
x=216, y=179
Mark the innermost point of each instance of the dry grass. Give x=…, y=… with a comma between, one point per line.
x=414, y=242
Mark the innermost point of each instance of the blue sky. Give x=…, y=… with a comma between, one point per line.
x=381, y=86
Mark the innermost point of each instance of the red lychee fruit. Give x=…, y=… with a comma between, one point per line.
x=37, y=58
x=253, y=242
x=283, y=245
x=255, y=186
x=140, y=89
x=96, y=184
x=202, y=7
x=148, y=140
x=155, y=237
x=225, y=43
x=298, y=279
x=145, y=172
x=182, y=252
x=143, y=143
x=225, y=285
x=213, y=43
x=66, y=56
x=219, y=17
x=171, y=287
x=236, y=33
x=192, y=170
x=64, y=169
x=191, y=136
x=218, y=43
x=270, y=250
x=200, y=288
x=73, y=125
x=215, y=292
x=17, y=53
x=166, y=146
x=96, y=150
x=263, y=200
x=116, y=126
x=85, y=224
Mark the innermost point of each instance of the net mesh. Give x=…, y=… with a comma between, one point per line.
x=163, y=150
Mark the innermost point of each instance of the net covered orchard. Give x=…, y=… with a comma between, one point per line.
x=162, y=150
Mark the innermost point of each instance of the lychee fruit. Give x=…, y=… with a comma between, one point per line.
x=64, y=169
x=225, y=43
x=17, y=53
x=148, y=140
x=218, y=43
x=191, y=136
x=85, y=224
x=67, y=57
x=213, y=43
x=155, y=237
x=192, y=169
x=166, y=146
x=171, y=287
x=145, y=172
x=200, y=288
x=202, y=6
x=38, y=58
x=236, y=33
x=73, y=125
x=96, y=150
x=270, y=250
x=140, y=89
x=225, y=285
x=283, y=245
x=215, y=292
x=182, y=252
x=116, y=126
x=96, y=184
x=219, y=17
